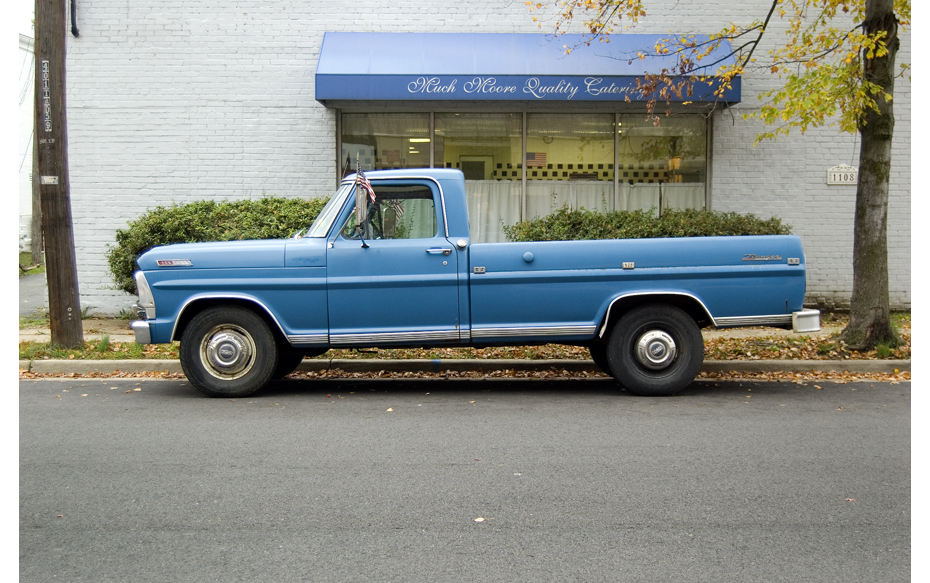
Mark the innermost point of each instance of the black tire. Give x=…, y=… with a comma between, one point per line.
x=228, y=351
x=599, y=356
x=655, y=350
x=288, y=361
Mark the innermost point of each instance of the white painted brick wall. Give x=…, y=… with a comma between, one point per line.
x=25, y=65
x=172, y=101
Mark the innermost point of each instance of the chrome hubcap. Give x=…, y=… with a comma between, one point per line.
x=227, y=352
x=656, y=350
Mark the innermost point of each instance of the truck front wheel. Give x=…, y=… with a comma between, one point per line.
x=228, y=351
x=599, y=356
x=655, y=350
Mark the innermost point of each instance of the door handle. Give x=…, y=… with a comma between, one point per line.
x=439, y=251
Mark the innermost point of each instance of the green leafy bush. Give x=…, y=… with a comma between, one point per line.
x=573, y=224
x=265, y=218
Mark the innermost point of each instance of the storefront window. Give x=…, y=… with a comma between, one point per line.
x=661, y=166
x=381, y=141
x=484, y=146
x=487, y=148
x=598, y=161
x=569, y=161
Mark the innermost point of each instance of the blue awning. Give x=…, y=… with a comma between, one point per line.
x=374, y=66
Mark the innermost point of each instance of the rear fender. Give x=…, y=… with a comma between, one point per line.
x=687, y=302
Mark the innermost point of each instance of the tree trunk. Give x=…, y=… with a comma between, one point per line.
x=51, y=141
x=870, y=317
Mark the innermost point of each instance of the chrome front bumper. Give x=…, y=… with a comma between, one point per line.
x=142, y=331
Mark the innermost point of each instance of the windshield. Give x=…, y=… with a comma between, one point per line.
x=324, y=220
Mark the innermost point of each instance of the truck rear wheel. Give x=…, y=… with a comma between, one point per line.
x=655, y=350
x=228, y=351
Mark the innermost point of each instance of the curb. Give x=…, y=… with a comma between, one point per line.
x=469, y=365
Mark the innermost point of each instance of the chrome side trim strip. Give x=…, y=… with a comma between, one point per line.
x=312, y=339
x=735, y=321
x=586, y=331
x=393, y=338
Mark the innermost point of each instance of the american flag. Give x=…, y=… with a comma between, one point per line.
x=362, y=182
x=535, y=159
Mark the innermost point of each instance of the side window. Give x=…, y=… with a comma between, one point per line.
x=398, y=212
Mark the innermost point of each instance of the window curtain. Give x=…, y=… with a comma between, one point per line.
x=494, y=203
x=544, y=197
x=491, y=204
x=683, y=196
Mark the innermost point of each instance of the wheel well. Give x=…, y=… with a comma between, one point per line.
x=688, y=304
x=197, y=306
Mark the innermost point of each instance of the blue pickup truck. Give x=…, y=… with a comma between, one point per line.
x=389, y=263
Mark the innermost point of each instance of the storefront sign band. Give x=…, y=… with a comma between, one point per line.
x=499, y=88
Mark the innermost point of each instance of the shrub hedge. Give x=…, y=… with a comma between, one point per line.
x=568, y=224
x=265, y=218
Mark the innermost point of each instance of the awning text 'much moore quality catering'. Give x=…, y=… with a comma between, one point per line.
x=360, y=66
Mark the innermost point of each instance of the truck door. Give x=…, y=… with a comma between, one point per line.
x=394, y=281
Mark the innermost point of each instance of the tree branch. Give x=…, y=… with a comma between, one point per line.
x=765, y=24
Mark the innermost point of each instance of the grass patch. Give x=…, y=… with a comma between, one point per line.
x=825, y=348
x=102, y=349
x=27, y=267
x=901, y=318
x=38, y=319
x=103, y=344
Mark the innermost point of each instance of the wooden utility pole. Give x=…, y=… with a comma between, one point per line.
x=51, y=142
x=35, y=225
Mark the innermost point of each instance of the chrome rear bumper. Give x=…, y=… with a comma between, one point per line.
x=805, y=321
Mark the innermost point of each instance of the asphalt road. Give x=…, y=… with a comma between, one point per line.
x=33, y=294
x=574, y=481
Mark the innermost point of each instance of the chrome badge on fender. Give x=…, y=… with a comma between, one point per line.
x=174, y=263
x=750, y=257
